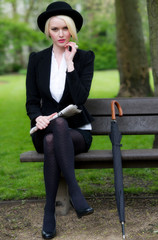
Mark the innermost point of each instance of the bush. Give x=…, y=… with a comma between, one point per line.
x=105, y=54
x=105, y=57
x=22, y=71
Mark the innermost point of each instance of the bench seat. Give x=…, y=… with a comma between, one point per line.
x=133, y=158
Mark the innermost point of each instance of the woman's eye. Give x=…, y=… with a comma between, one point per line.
x=65, y=28
x=54, y=29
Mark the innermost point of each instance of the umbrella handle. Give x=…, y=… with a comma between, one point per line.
x=113, y=103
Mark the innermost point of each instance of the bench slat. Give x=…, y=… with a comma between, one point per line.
x=127, y=125
x=103, y=158
x=130, y=106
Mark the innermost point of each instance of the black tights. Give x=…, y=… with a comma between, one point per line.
x=60, y=146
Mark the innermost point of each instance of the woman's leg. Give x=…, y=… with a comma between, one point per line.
x=66, y=143
x=60, y=146
x=51, y=178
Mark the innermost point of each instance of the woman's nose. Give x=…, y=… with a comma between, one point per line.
x=60, y=32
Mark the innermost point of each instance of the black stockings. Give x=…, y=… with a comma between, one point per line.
x=60, y=146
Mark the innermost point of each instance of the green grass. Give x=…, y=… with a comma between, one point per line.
x=25, y=180
x=105, y=84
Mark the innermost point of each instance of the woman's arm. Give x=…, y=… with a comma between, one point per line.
x=32, y=94
x=80, y=83
x=33, y=102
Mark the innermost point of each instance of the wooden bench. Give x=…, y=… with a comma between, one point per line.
x=140, y=116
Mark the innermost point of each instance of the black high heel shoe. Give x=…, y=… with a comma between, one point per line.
x=82, y=212
x=49, y=235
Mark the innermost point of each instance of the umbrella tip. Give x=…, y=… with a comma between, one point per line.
x=123, y=230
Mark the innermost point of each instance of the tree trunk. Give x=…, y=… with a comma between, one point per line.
x=152, y=7
x=131, y=52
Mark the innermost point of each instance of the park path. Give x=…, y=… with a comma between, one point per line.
x=23, y=221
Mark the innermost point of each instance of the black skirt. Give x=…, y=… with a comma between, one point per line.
x=37, y=139
x=87, y=137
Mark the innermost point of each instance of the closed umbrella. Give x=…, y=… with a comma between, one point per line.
x=115, y=137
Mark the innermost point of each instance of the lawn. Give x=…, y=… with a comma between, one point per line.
x=25, y=180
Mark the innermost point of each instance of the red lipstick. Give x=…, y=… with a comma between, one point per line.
x=61, y=40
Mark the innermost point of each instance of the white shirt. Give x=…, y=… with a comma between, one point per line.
x=57, y=78
x=57, y=82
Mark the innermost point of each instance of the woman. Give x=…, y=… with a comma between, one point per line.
x=56, y=77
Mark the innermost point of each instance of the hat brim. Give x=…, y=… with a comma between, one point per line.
x=76, y=16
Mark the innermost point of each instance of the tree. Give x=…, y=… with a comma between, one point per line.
x=131, y=51
x=152, y=6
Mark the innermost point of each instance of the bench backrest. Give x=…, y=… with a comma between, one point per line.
x=140, y=115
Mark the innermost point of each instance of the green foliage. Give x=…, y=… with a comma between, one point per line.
x=105, y=56
x=15, y=35
x=100, y=38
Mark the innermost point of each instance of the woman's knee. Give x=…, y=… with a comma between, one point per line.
x=57, y=125
x=48, y=139
x=60, y=123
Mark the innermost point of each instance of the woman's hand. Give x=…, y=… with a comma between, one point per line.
x=69, y=55
x=43, y=121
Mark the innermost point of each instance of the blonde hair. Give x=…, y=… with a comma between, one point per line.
x=69, y=22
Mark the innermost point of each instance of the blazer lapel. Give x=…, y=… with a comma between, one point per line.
x=44, y=70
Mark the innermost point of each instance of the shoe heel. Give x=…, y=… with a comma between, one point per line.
x=84, y=212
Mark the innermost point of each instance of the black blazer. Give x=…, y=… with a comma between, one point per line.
x=78, y=82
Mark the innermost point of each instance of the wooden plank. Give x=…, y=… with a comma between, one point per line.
x=138, y=158
x=31, y=156
x=130, y=106
x=127, y=125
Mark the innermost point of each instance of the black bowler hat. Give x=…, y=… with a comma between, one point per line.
x=59, y=8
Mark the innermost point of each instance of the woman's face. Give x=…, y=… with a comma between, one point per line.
x=59, y=32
